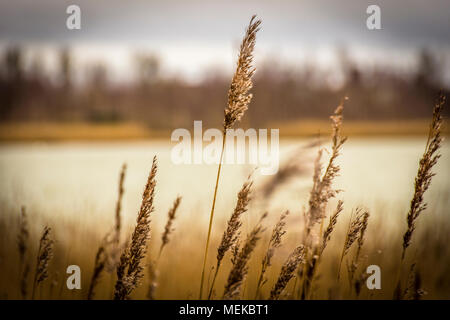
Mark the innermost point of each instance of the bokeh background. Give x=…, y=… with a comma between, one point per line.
x=159, y=65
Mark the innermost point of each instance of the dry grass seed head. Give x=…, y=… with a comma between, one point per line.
x=121, y=191
x=322, y=189
x=99, y=266
x=45, y=254
x=130, y=269
x=240, y=264
x=333, y=220
x=23, y=236
x=356, y=225
x=275, y=239
x=231, y=234
x=425, y=174
x=168, y=229
x=238, y=96
x=287, y=271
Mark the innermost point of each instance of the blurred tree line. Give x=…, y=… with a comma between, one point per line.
x=280, y=94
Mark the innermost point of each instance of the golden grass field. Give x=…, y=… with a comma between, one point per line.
x=73, y=188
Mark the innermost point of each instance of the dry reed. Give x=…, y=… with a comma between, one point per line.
x=152, y=265
x=354, y=230
x=238, y=96
x=240, y=261
x=23, y=236
x=45, y=254
x=99, y=266
x=274, y=243
x=130, y=270
x=322, y=190
x=238, y=101
x=360, y=241
x=118, y=222
x=22, y=246
x=317, y=251
x=107, y=255
x=168, y=229
x=425, y=174
x=331, y=224
x=287, y=271
x=231, y=234
x=422, y=182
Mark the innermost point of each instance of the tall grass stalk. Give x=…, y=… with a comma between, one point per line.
x=231, y=234
x=424, y=174
x=130, y=269
x=356, y=225
x=168, y=229
x=45, y=254
x=22, y=243
x=422, y=181
x=238, y=100
x=274, y=243
x=241, y=258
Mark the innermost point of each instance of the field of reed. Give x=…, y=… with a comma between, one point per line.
x=307, y=232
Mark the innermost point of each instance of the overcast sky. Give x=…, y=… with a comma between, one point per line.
x=191, y=34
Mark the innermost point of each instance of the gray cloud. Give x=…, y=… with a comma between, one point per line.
x=405, y=23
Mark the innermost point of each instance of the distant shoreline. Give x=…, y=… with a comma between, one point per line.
x=85, y=132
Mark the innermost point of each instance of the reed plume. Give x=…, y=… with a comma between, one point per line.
x=231, y=234
x=360, y=241
x=274, y=243
x=152, y=265
x=130, y=270
x=238, y=96
x=238, y=101
x=45, y=254
x=365, y=223
x=22, y=244
x=118, y=223
x=287, y=271
x=168, y=228
x=99, y=266
x=322, y=190
x=107, y=256
x=235, y=250
x=331, y=224
x=240, y=261
x=23, y=236
x=425, y=174
x=316, y=252
x=353, y=232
